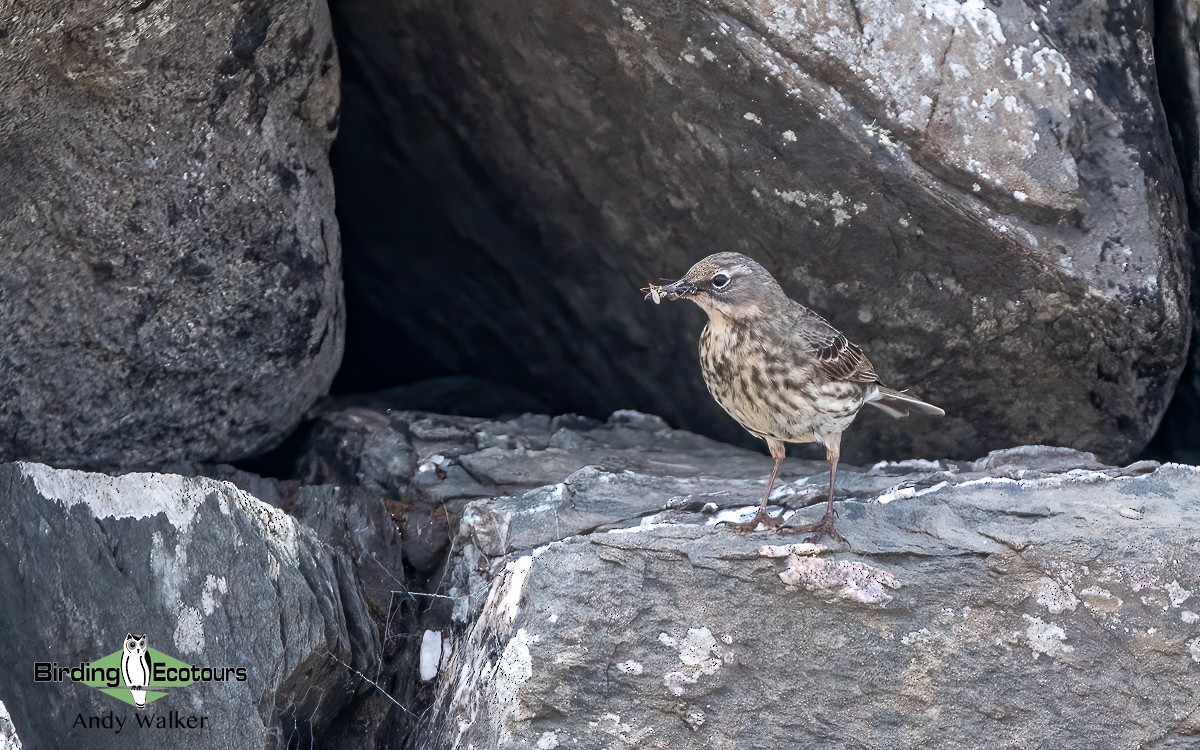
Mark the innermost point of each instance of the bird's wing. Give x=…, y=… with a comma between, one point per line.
x=841, y=360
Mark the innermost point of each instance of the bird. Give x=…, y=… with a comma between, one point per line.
x=780, y=370
x=135, y=668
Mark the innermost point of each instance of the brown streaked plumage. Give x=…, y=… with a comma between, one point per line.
x=779, y=369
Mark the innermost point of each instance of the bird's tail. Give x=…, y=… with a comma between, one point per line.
x=901, y=405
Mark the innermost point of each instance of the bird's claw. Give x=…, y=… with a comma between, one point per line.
x=772, y=523
x=820, y=530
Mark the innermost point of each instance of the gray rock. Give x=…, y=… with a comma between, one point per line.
x=981, y=195
x=171, y=285
x=361, y=447
x=212, y=575
x=1033, y=597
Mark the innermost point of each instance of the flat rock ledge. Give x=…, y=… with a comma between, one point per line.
x=1033, y=598
x=572, y=584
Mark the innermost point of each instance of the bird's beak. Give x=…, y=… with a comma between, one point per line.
x=679, y=289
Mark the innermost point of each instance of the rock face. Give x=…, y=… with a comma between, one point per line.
x=982, y=196
x=171, y=284
x=565, y=582
x=213, y=577
x=1034, y=595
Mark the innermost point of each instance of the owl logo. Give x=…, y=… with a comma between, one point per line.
x=135, y=667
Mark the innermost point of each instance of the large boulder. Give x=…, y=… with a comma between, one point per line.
x=171, y=278
x=983, y=196
x=1035, y=597
x=213, y=576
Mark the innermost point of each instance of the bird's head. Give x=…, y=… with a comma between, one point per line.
x=728, y=284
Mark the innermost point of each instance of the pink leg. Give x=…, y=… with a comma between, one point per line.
x=824, y=527
x=778, y=451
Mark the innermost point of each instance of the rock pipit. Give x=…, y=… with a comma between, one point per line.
x=779, y=369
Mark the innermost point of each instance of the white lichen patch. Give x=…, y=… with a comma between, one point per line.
x=752, y=117
x=973, y=14
x=215, y=588
x=846, y=579
x=189, y=631
x=627, y=735
x=1054, y=597
x=1189, y=617
x=1178, y=594
x=699, y=654
x=1194, y=649
x=279, y=530
x=547, y=741
x=169, y=567
x=512, y=671
x=840, y=208
x=629, y=667
x=138, y=495
x=1046, y=638
x=636, y=22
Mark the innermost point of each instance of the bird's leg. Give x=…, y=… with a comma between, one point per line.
x=778, y=451
x=824, y=527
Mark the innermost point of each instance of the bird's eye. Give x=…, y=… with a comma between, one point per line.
x=720, y=280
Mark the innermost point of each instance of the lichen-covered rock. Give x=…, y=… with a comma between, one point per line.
x=983, y=196
x=1032, y=597
x=212, y=576
x=170, y=287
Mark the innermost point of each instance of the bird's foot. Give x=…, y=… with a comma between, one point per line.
x=820, y=530
x=772, y=523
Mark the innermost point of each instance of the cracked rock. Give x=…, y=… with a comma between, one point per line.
x=609, y=608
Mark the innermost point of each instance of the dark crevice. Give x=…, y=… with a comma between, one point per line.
x=407, y=187
x=1177, y=63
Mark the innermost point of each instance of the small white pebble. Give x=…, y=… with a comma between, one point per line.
x=1130, y=513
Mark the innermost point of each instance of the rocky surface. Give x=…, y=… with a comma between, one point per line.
x=544, y=582
x=1035, y=595
x=984, y=196
x=212, y=575
x=171, y=285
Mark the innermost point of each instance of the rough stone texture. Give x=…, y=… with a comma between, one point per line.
x=171, y=279
x=1030, y=598
x=211, y=574
x=983, y=196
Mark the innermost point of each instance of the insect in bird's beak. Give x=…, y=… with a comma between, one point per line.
x=673, y=291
